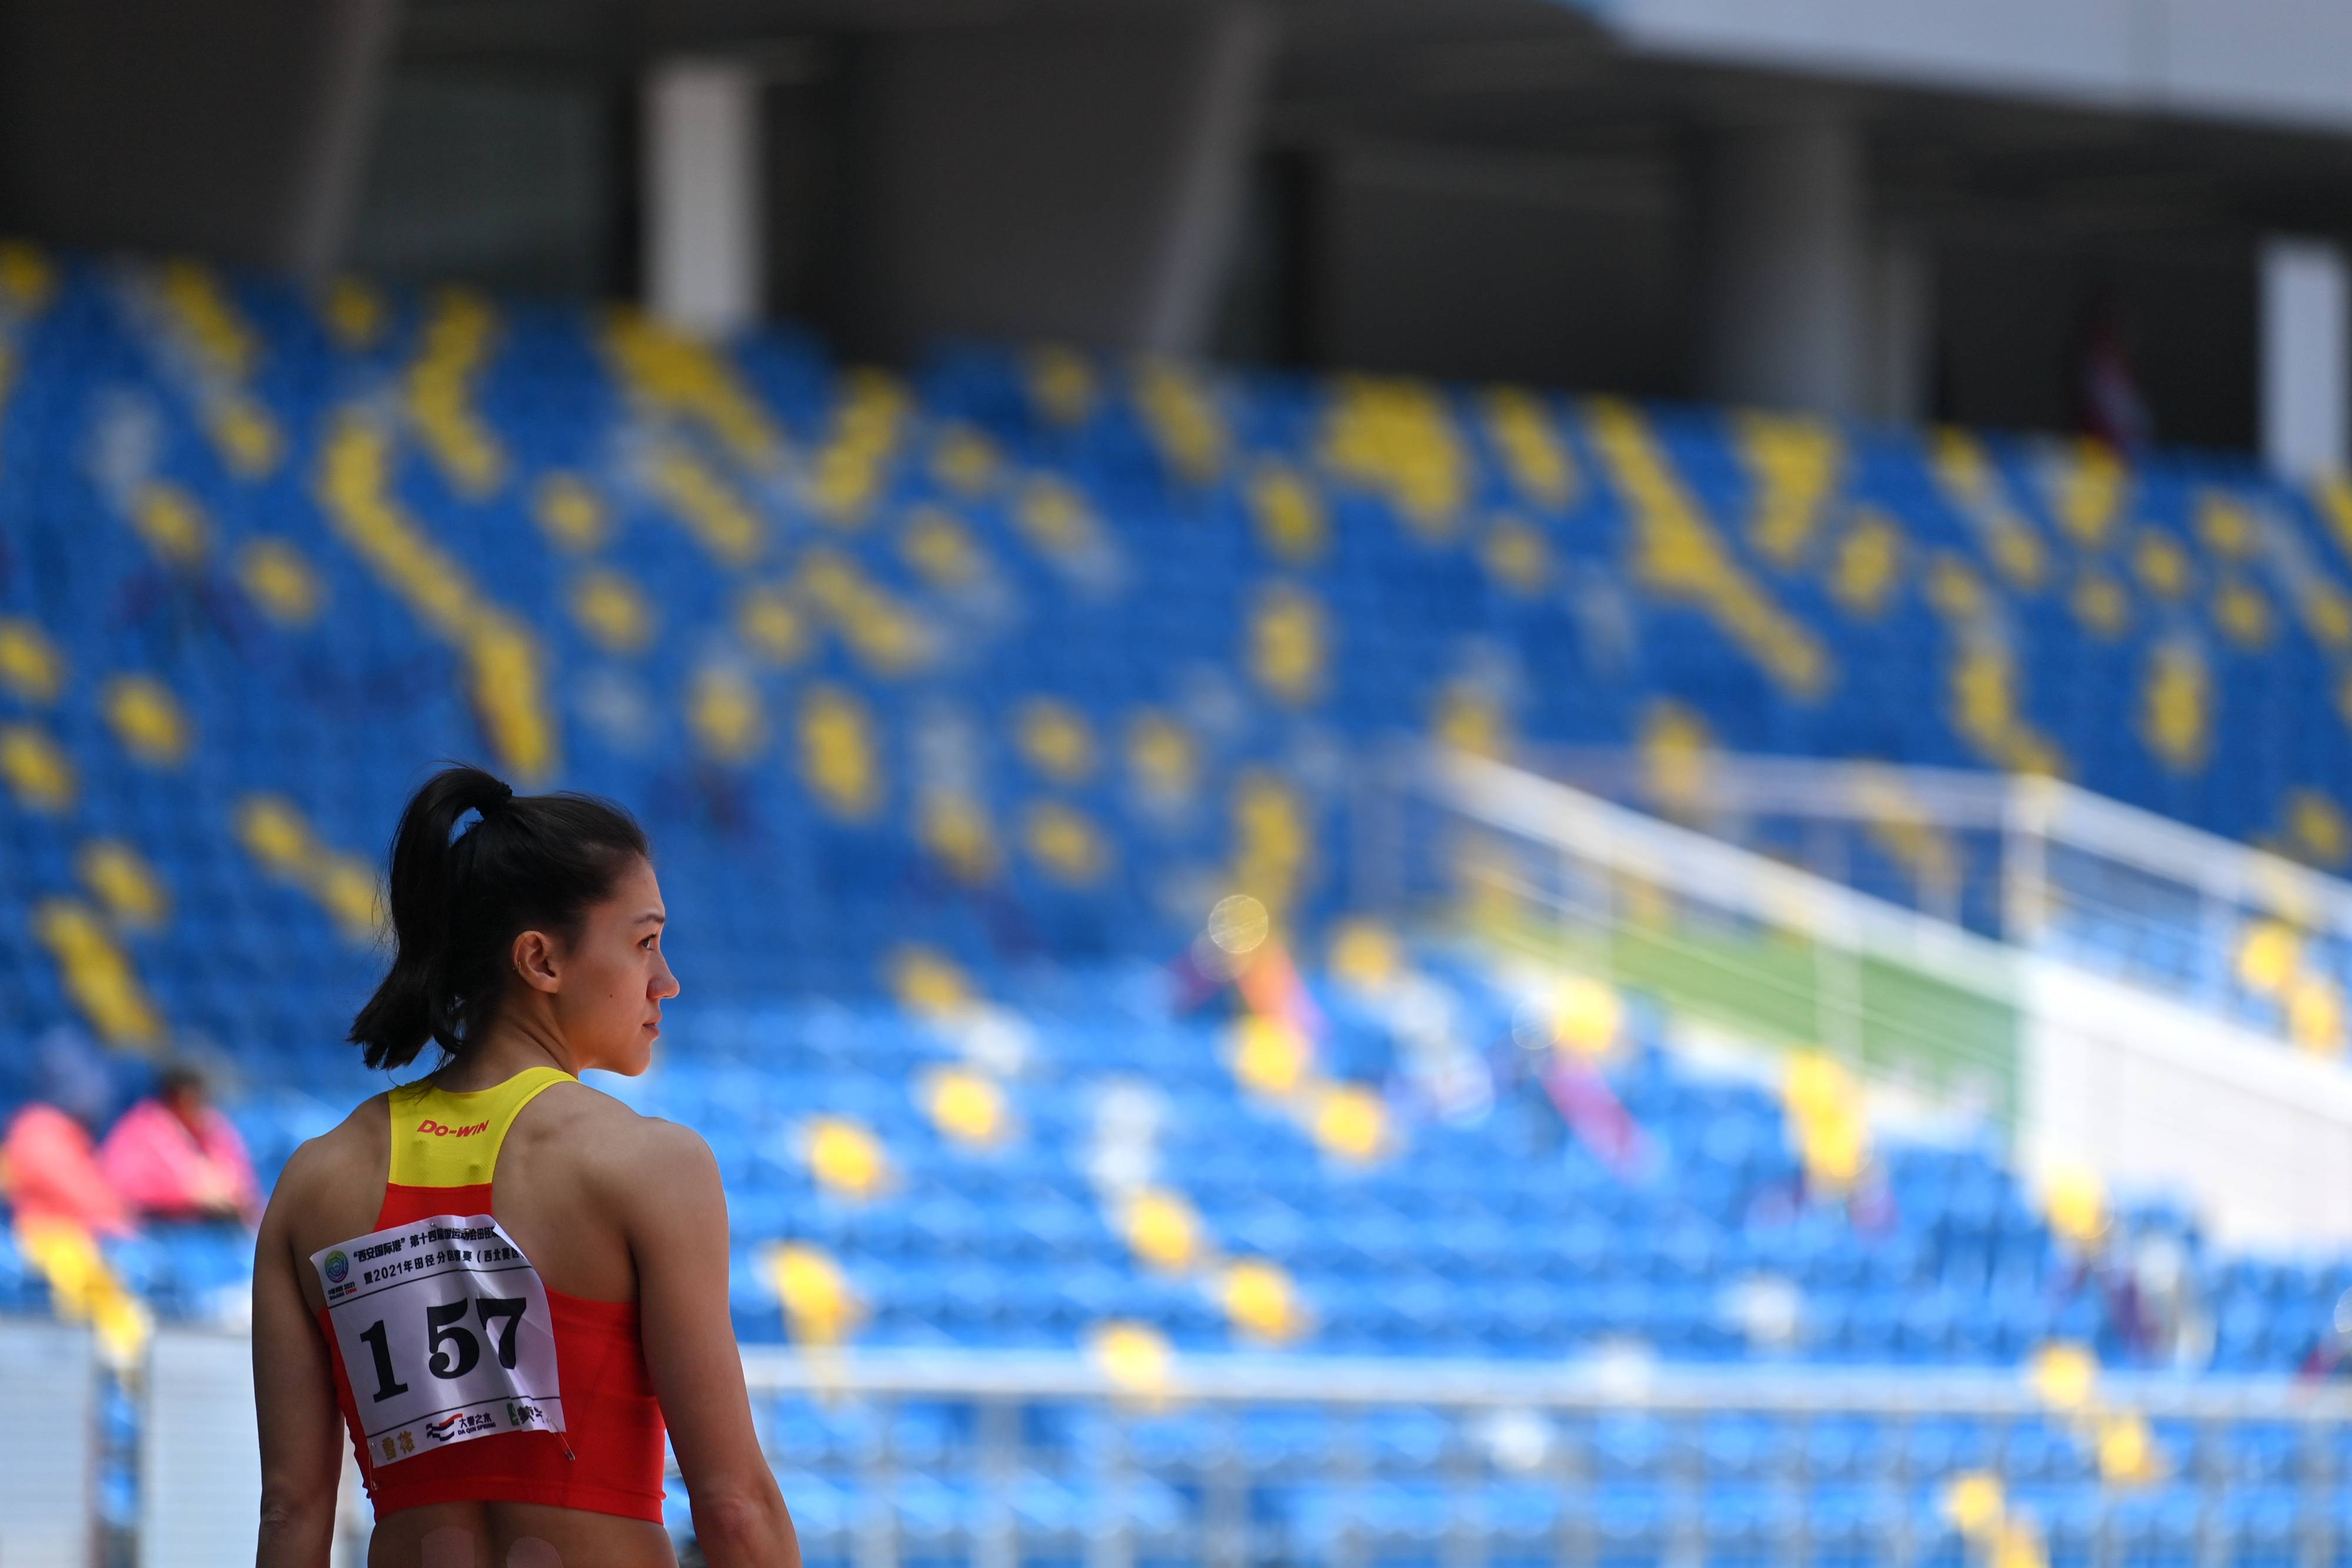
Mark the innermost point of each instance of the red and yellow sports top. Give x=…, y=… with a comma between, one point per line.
x=608, y=1459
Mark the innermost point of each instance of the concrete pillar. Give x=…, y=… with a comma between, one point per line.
x=1899, y=347
x=2307, y=338
x=1787, y=265
x=705, y=226
x=1074, y=179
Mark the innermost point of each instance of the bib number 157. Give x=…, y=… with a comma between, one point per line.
x=455, y=1349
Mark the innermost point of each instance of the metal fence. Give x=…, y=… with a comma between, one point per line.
x=1007, y=1461
x=1243, y=1462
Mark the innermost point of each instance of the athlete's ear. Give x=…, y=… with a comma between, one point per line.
x=537, y=961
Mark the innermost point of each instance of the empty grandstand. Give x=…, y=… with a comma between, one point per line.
x=1284, y=962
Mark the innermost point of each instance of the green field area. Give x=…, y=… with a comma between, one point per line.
x=1783, y=989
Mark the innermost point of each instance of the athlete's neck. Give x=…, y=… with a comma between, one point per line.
x=515, y=1042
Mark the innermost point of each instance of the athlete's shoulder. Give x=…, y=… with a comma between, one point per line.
x=606, y=1130
x=355, y=1144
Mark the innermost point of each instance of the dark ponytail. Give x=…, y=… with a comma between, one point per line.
x=530, y=863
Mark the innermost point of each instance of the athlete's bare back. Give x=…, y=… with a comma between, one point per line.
x=528, y=946
x=563, y=1195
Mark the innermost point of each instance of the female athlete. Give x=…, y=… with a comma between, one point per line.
x=501, y=1281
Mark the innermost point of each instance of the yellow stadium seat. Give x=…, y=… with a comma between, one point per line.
x=570, y=514
x=2101, y=604
x=719, y=521
x=2314, y=1015
x=725, y=714
x=846, y=1157
x=955, y=827
x=1351, y=1122
x=123, y=883
x=354, y=313
x=39, y=777
x=1975, y=1503
x=175, y=528
x=1291, y=519
x=2074, y=1201
x=2318, y=829
x=611, y=610
x=31, y=668
x=1866, y=564
x=1183, y=418
x=86, y=1288
x=1528, y=437
x=940, y=548
x=1261, y=1302
x=1470, y=718
x=279, y=581
x=1062, y=382
x=2161, y=565
x=1271, y=1057
x=1161, y=759
x=1133, y=1357
x=1054, y=740
x=1588, y=1016
x=1061, y=838
x=25, y=275
x=2244, y=614
x=147, y=719
x=928, y=982
x=1365, y=954
x=96, y=973
x=677, y=376
x=1517, y=556
x=2127, y=1450
x=820, y=1308
x=965, y=461
x=837, y=752
x=1162, y=1229
x=275, y=833
x=966, y=1107
x=2177, y=706
x=2063, y=1375
x=1289, y=644
x=2268, y=956
x=772, y=625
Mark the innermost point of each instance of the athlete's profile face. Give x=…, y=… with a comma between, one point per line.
x=610, y=983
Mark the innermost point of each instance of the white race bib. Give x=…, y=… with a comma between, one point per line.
x=444, y=1335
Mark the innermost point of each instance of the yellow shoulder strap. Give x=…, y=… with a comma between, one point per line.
x=442, y=1139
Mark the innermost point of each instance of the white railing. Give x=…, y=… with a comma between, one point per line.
x=48, y=1445
x=1530, y=1429
x=2149, y=1092
x=2022, y=816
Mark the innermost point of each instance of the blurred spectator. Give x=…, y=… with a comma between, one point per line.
x=176, y=1157
x=48, y=1164
x=2111, y=405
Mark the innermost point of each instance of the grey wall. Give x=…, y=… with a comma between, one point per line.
x=1506, y=268
x=1048, y=180
x=232, y=128
x=2010, y=314
x=507, y=181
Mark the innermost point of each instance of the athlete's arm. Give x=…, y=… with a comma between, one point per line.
x=294, y=1397
x=675, y=1214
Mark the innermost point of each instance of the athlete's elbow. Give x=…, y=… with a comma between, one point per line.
x=746, y=1527
x=294, y=1528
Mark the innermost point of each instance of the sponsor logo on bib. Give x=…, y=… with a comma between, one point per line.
x=464, y=1424
x=339, y=1267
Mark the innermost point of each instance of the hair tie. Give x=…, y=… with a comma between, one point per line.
x=497, y=801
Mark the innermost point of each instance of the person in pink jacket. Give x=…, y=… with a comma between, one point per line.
x=176, y=1157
